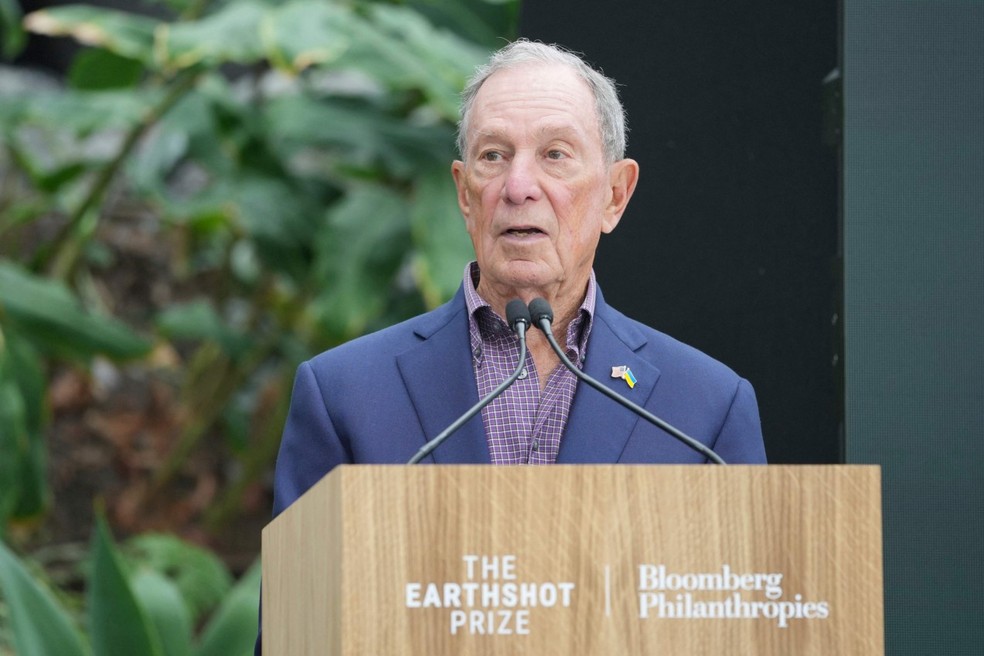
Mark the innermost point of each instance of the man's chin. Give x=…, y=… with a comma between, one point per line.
x=525, y=283
x=525, y=275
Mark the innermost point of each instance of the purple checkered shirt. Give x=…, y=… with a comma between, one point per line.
x=523, y=425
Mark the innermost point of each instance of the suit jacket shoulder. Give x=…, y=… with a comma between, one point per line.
x=676, y=382
x=378, y=399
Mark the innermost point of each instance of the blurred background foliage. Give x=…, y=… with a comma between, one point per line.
x=211, y=193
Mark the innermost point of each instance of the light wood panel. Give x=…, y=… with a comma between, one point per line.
x=337, y=564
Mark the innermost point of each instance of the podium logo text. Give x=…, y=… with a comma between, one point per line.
x=721, y=594
x=491, y=599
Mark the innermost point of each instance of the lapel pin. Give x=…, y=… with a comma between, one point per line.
x=623, y=372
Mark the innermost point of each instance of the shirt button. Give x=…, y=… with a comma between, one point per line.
x=478, y=352
x=523, y=374
x=536, y=445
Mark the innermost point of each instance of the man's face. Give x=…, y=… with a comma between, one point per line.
x=535, y=188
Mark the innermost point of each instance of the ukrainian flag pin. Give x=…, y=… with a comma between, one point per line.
x=623, y=372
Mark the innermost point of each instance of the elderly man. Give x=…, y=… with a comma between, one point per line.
x=542, y=175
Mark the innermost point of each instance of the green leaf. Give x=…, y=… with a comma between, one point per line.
x=199, y=575
x=12, y=437
x=367, y=137
x=22, y=365
x=49, y=140
x=188, y=131
x=440, y=240
x=99, y=69
x=232, y=630
x=152, y=164
x=441, y=61
x=301, y=34
x=280, y=221
x=11, y=33
x=53, y=319
x=230, y=35
x=400, y=48
x=117, y=623
x=23, y=488
x=55, y=179
x=85, y=112
x=198, y=320
x=176, y=5
x=162, y=601
x=486, y=22
x=124, y=33
x=39, y=625
x=359, y=256
x=24, y=495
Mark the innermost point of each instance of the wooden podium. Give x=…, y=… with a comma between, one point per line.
x=578, y=559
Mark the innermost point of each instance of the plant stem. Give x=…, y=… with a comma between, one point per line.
x=208, y=393
x=65, y=252
x=261, y=452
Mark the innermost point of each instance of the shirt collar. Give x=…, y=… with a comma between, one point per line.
x=485, y=323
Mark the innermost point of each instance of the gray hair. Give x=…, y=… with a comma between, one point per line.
x=611, y=115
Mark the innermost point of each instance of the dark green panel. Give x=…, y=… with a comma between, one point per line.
x=914, y=305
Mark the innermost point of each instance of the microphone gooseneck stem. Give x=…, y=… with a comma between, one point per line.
x=543, y=323
x=520, y=328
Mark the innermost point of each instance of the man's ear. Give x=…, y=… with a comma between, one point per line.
x=458, y=173
x=623, y=178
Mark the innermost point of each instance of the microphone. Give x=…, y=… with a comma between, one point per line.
x=518, y=318
x=542, y=317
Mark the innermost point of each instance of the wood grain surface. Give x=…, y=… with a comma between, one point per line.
x=382, y=559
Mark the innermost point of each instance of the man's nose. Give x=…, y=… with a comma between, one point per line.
x=522, y=180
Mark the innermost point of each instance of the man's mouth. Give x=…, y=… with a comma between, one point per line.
x=524, y=232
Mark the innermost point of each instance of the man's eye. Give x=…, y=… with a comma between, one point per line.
x=491, y=156
x=555, y=154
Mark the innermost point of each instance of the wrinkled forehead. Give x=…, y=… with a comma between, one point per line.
x=539, y=96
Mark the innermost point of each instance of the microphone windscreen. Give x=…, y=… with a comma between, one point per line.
x=540, y=309
x=517, y=311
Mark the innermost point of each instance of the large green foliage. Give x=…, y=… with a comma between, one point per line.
x=294, y=158
x=290, y=161
x=133, y=604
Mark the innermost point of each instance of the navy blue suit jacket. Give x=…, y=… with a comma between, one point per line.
x=379, y=398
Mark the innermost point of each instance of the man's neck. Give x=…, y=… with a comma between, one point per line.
x=565, y=310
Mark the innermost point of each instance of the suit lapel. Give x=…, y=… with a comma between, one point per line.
x=598, y=428
x=440, y=381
